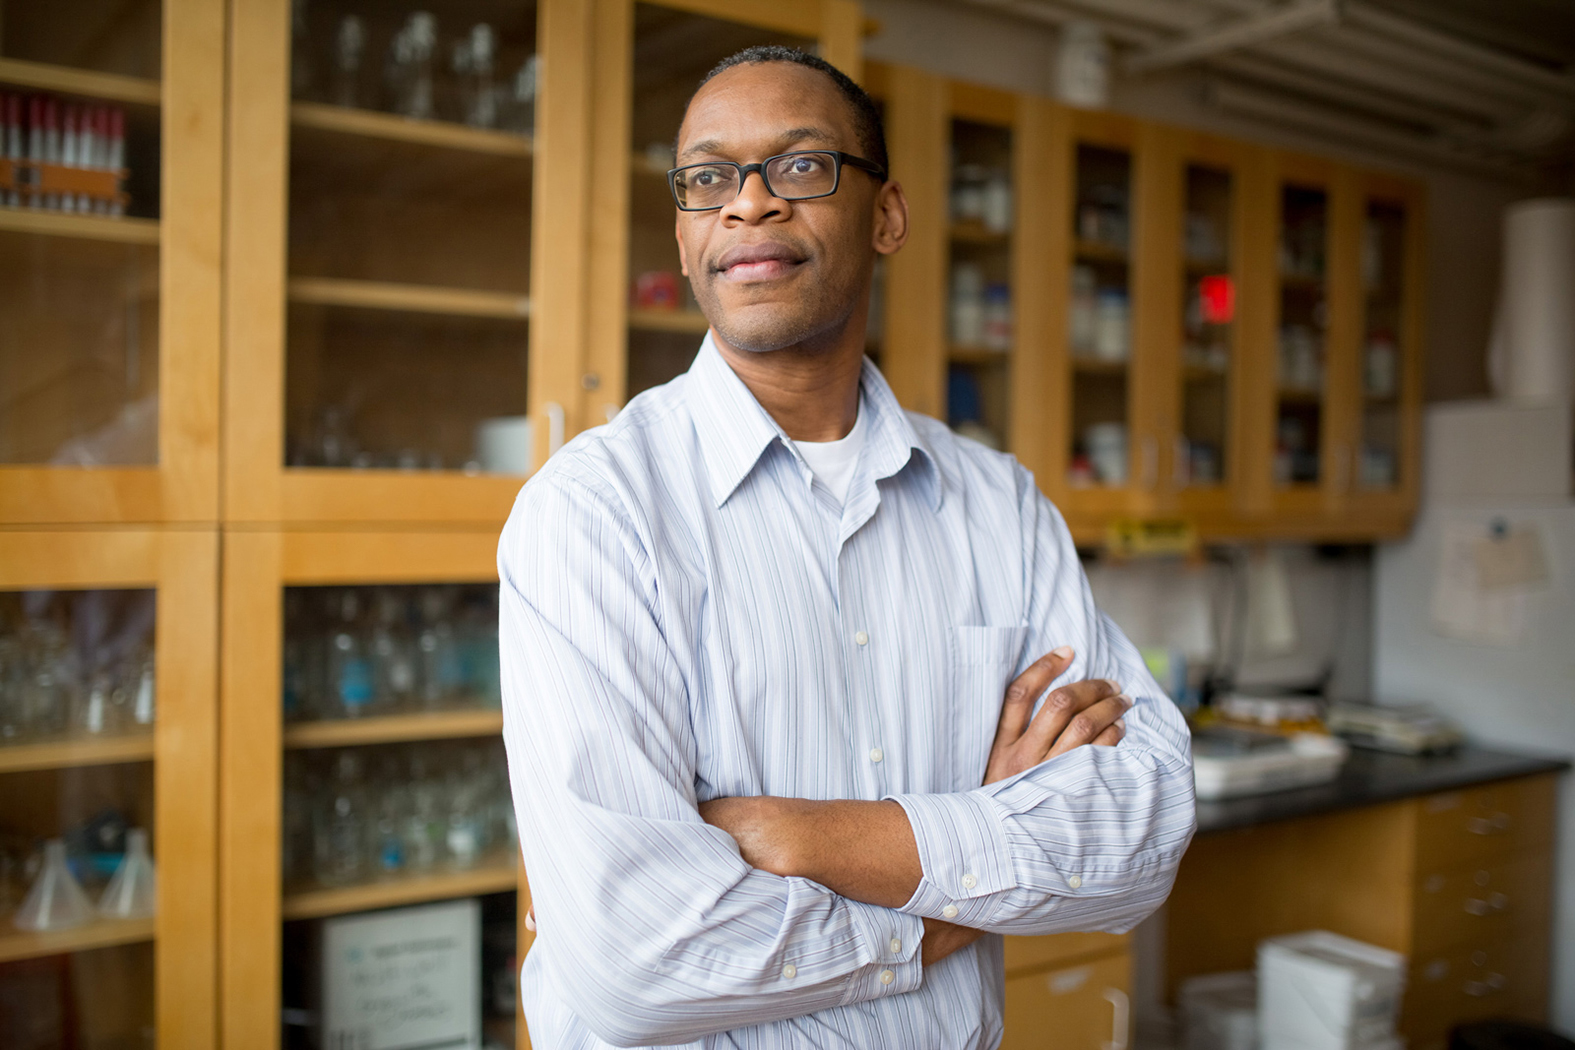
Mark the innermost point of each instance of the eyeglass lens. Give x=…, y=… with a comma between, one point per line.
x=791, y=177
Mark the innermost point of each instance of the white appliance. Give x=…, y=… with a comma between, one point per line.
x=1499, y=661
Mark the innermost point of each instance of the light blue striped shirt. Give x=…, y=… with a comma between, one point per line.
x=687, y=614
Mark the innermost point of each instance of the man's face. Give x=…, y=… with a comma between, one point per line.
x=770, y=273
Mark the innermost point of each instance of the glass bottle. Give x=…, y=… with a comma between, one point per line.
x=422, y=824
x=132, y=892
x=388, y=843
x=56, y=901
x=441, y=670
x=340, y=833
x=349, y=46
x=473, y=65
x=394, y=655
x=349, y=669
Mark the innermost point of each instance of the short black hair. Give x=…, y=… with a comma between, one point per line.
x=866, y=115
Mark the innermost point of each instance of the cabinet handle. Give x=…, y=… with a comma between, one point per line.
x=554, y=427
x=1121, y=1019
x=1150, y=463
x=1477, y=906
x=1494, y=982
x=1180, y=462
x=1493, y=825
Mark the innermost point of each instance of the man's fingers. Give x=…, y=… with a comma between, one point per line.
x=1086, y=726
x=1063, y=706
x=1113, y=735
x=1025, y=689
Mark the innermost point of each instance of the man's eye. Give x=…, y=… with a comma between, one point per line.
x=804, y=165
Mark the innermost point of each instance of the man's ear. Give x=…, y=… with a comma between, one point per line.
x=891, y=218
x=683, y=256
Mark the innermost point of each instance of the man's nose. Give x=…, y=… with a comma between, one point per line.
x=755, y=202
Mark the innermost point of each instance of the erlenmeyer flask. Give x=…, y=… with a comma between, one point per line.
x=56, y=901
x=132, y=892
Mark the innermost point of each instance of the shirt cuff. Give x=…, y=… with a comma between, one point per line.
x=893, y=942
x=964, y=855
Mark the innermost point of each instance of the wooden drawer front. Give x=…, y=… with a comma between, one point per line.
x=1084, y=1007
x=1036, y=953
x=1483, y=904
x=1457, y=829
x=1505, y=979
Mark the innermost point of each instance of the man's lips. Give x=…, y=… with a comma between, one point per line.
x=757, y=262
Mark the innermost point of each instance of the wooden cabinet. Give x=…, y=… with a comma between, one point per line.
x=1068, y=992
x=310, y=713
x=383, y=216
x=109, y=264
x=1203, y=329
x=108, y=724
x=1460, y=882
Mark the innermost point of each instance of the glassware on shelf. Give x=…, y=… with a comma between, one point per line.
x=997, y=333
x=471, y=62
x=409, y=71
x=349, y=50
x=967, y=305
x=132, y=892
x=300, y=52
x=56, y=900
x=1084, y=320
x=350, y=678
x=64, y=156
x=517, y=113
x=391, y=811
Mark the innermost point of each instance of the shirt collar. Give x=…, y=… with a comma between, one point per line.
x=735, y=431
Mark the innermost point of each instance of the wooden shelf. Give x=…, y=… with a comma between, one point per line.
x=415, y=298
x=1301, y=395
x=669, y=321
x=19, y=944
x=498, y=873
x=86, y=227
x=1098, y=366
x=84, y=83
x=389, y=126
x=442, y=725
x=978, y=233
x=68, y=754
x=1098, y=251
x=977, y=355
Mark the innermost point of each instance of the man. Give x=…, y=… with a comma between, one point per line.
x=755, y=638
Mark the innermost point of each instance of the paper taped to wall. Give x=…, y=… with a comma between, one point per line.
x=1462, y=606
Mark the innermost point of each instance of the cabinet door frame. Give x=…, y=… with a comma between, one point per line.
x=181, y=565
x=1388, y=512
x=603, y=377
x=183, y=485
x=257, y=486
x=258, y=565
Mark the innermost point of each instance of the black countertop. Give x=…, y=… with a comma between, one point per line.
x=1371, y=777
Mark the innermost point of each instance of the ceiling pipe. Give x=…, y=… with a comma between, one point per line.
x=1534, y=76
x=1284, y=112
x=1235, y=35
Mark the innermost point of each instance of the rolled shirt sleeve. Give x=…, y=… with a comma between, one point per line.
x=1091, y=839
x=655, y=928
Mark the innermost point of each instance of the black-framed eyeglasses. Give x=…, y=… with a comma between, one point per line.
x=798, y=176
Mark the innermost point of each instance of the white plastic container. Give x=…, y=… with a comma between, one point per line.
x=1320, y=991
x=1311, y=758
x=1219, y=1011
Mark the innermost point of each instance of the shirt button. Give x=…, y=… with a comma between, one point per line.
x=969, y=882
x=1075, y=881
x=790, y=971
x=876, y=754
x=950, y=911
x=896, y=946
x=886, y=977
x=862, y=638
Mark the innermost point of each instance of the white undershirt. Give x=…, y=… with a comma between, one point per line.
x=833, y=461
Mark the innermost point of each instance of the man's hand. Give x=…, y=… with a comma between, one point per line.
x=1087, y=712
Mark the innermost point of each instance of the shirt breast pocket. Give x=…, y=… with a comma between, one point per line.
x=982, y=660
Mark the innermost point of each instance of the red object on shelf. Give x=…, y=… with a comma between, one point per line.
x=656, y=290
x=1217, y=292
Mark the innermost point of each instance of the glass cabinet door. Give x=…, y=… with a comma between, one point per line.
x=409, y=232
x=1100, y=316
x=1379, y=448
x=979, y=306
x=672, y=51
x=1209, y=314
x=1300, y=415
x=79, y=849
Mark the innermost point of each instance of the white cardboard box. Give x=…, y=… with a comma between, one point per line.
x=402, y=978
x=1320, y=991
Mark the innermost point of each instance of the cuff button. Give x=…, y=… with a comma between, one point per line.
x=969, y=882
x=950, y=911
x=886, y=977
x=790, y=971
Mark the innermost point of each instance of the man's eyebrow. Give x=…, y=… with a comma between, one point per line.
x=820, y=136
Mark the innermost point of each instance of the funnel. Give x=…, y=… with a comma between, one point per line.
x=132, y=892
x=56, y=900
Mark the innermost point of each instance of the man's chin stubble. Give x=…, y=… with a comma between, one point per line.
x=768, y=329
